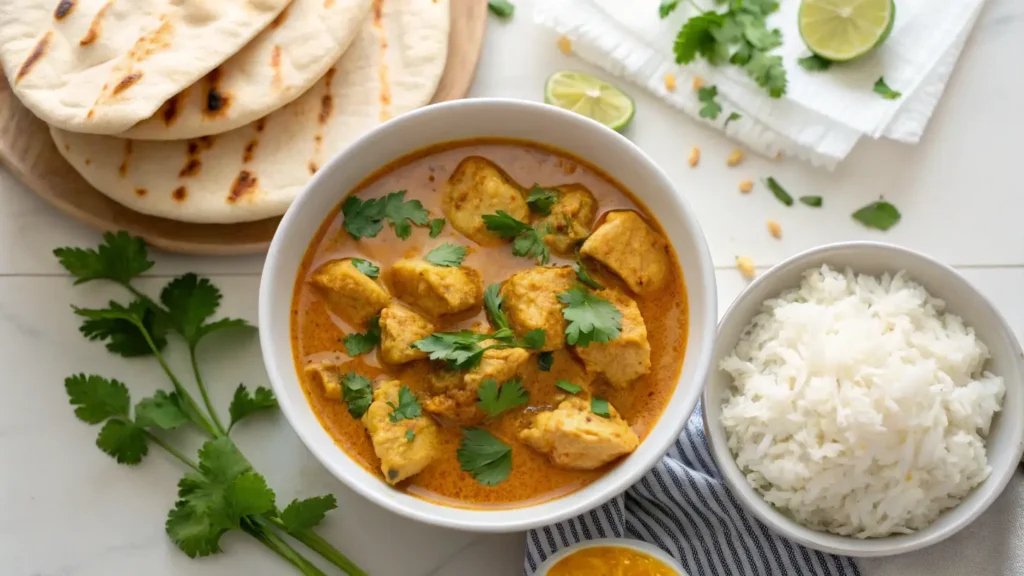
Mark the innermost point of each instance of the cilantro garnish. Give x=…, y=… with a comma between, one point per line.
x=545, y=360
x=366, y=267
x=492, y=304
x=501, y=8
x=568, y=386
x=410, y=435
x=812, y=201
x=711, y=108
x=528, y=242
x=365, y=218
x=461, y=350
x=778, y=191
x=599, y=406
x=358, y=343
x=732, y=116
x=667, y=7
x=540, y=200
x=357, y=392
x=436, y=227
x=221, y=492
x=590, y=318
x=880, y=215
x=882, y=89
x=494, y=399
x=487, y=459
x=408, y=406
x=814, y=63
x=447, y=255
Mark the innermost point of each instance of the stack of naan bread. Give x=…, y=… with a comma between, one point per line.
x=217, y=111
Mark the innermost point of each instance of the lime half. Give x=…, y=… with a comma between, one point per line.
x=841, y=30
x=591, y=97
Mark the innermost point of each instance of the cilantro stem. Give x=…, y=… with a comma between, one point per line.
x=697, y=6
x=316, y=543
x=202, y=392
x=197, y=414
x=280, y=547
x=172, y=451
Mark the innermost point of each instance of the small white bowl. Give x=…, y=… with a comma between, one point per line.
x=1004, y=444
x=466, y=120
x=638, y=545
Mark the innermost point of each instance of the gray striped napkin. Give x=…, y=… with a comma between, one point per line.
x=683, y=507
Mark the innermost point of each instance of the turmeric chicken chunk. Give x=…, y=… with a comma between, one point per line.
x=478, y=187
x=437, y=290
x=349, y=293
x=399, y=328
x=628, y=356
x=570, y=218
x=457, y=392
x=630, y=248
x=404, y=447
x=530, y=301
x=572, y=436
x=326, y=375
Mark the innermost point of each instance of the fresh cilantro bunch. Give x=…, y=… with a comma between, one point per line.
x=738, y=35
x=221, y=492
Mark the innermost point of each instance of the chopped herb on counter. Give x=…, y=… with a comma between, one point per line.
x=501, y=8
x=812, y=201
x=814, y=63
x=778, y=191
x=880, y=215
x=882, y=89
x=711, y=108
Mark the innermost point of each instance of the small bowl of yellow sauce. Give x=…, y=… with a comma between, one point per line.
x=611, y=557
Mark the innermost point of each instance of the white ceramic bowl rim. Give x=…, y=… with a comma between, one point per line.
x=638, y=545
x=972, y=506
x=469, y=119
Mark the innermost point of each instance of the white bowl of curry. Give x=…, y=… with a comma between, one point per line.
x=488, y=315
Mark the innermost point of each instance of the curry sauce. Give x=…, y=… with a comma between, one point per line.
x=317, y=333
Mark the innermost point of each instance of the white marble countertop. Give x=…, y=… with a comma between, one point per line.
x=70, y=510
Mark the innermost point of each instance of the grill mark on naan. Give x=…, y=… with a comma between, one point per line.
x=170, y=109
x=312, y=167
x=123, y=168
x=327, y=100
x=260, y=125
x=385, y=86
x=250, y=149
x=191, y=168
x=179, y=194
x=275, y=65
x=217, y=101
x=244, y=184
x=34, y=56
x=281, y=17
x=127, y=82
x=95, y=27
x=140, y=192
x=63, y=9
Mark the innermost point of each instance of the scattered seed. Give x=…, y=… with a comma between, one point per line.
x=746, y=267
x=565, y=45
x=698, y=83
x=746, y=186
x=694, y=156
x=774, y=229
x=670, y=82
x=735, y=158
x=778, y=155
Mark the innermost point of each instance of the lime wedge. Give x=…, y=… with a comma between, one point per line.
x=591, y=97
x=842, y=30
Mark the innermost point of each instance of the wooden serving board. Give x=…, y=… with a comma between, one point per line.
x=27, y=150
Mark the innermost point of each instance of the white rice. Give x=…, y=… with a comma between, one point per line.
x=858, y=406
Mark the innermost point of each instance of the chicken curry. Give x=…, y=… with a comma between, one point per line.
x=489, y=323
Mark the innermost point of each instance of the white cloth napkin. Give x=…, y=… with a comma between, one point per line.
x=823, y=114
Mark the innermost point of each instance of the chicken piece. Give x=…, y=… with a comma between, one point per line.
x=399, y=328
x=629, y=247
x=530, y=301
x=437, y=290
x=574, y=437
x=456, y=392
x=627, y=357
x=570, y=218
x=400, y=456
x=478, y=187
x=327, y=375
x=348, y=292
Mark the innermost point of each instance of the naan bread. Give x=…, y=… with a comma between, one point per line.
x=101, y=66
x=275, y=68
x=255, y=172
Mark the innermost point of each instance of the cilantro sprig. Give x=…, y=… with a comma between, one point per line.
x=487, y=459
x=527, y=241
x=590, y=318
x=496, y=399
x=541, y=200
x=408, y=406
x=365, y=218
x=710, y=108
x=447, y=255
x=221, y=492
x=358, y=343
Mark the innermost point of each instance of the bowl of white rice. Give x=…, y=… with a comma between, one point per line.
x=867, y=400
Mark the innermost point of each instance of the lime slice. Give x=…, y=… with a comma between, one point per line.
x=841, y=30
x=591, y=97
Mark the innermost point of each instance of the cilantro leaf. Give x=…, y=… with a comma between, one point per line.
x=759, y=36
x=814, y=63
x=247, y=494
x=590, y=318
x=163, y=410
x=122, y=327
x=697, y=37
x=362, y=219
x=599, y=406
x=487, y=459
x=494, y=399
x=447, y=255
x=306, y=514
x=366, y=267
x=768, y=72
x=882, y=89
x=97, y=398
x=123, y=440
x=545, y=360
x=403, y=214
x=194, y=533
x=357, y=392
x=189, y=300
x=410, y=435
x=222, y=324
x=436, y=227
x=120, y=258
x=534, y=339
x=778, y=191
x=528, y=243
x=492, y=304
x=408, y=406
x=221, y=461
x=880, y=215
x=505, y=225
x=540, y=200
x=501, y=8
x=358, y=343
x=245, y=403
x=583, y=274
x=568, y=386
x=812, y=201
x=667, y=7
x=732, y=116
x=711, y=108
x=461, y=350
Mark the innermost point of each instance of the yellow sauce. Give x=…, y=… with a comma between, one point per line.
x=611, y=561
